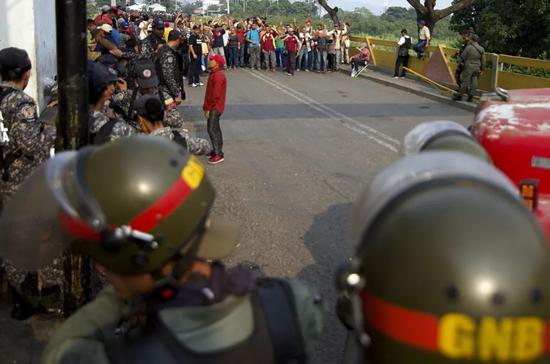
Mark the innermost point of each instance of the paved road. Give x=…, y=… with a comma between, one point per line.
x=298, y=151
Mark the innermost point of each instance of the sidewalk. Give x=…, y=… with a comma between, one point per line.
x=410, y=84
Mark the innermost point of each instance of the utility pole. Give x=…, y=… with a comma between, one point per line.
x=72, y=75
x=228, y=9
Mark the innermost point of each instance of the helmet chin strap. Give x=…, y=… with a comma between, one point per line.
x=166, y=285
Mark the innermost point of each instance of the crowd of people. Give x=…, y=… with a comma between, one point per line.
x=140, y=207
x=253, y=43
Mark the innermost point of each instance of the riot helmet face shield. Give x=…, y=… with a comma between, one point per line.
x=132, y=205
x=53, y=208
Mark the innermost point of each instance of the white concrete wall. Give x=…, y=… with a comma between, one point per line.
x=30, y=25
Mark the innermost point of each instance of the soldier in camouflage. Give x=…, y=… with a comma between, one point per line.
x=25, y=143
x=169, y=67
x=105, y=125
x=149, y=117
x=151, y=44
x=147, y=83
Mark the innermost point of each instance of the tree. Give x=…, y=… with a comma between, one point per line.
x=431, y=16
x=525, y=31
x=363, y=11
x=397, y=13
x=189, y=8
x=332, y=12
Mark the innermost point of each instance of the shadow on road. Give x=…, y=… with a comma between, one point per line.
x=327, y=240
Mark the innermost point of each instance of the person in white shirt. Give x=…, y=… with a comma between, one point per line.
x=305, y=48
x=403, y=46
x=338, y=33
x=424, y=38
x=143, y=27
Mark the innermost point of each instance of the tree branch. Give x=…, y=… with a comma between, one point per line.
x=443, y=13
x=418, y=6
x=332, y=12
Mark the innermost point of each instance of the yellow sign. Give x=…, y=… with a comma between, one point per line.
x=507, y=339
x=193, y=173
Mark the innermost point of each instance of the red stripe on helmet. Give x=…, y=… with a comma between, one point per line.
x=148, y=219
x=547, y=338
x=414, y=328
x=78, y=228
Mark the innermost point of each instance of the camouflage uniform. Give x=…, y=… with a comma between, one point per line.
x=29, y=145
x=149, y=47
x=172, y=119
x=120, y=129
x=30, y=141
x=169, y=71
x=197, y=146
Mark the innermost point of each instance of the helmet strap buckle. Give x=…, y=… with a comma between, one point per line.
x=354, y=283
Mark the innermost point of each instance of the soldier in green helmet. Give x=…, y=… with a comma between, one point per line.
x=449, y=267
x=442, y=135
x=140, y=207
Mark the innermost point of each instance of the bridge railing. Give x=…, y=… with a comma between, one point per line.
x=501, y=69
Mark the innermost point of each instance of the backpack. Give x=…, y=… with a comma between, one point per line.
x=277, y=331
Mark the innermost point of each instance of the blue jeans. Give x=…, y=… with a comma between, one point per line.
x=314, y=60
x=279, y=57
x=302, y=58
x=323, y=62
x=419, y=47
x=241, y=55
x=233, y=59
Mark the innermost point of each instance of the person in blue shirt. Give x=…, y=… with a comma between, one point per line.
x=253, y=40
x=112, y=34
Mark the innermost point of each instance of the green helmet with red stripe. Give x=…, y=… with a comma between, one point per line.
x=449, y=267
x=132, y=205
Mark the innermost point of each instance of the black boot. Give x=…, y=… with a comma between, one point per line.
x=470, y=98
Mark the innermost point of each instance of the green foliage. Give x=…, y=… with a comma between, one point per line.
x=511, y=27
x=363, y=11
x=396, y=14
x=282, y=8
x=389, y=25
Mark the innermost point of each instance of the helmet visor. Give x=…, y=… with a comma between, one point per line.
x=38, y=221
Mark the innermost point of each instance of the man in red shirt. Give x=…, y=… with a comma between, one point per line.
x=291, y=44
x=241, y=33
x=214, y=104
x=105, y=16
x=268, y=48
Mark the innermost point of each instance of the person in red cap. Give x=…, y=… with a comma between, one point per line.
x=214, y=104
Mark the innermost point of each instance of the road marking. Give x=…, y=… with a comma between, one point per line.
x=362, y=126
x=375, y=135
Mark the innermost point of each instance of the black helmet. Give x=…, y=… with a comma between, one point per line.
x=449, y=266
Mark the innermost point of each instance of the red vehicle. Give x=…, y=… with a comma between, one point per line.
x=514, y=129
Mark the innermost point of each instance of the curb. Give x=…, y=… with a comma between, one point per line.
x=404, y=87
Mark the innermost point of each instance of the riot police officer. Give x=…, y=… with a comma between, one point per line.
x=449, y=266
x=25, y=143
x=140, y=207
